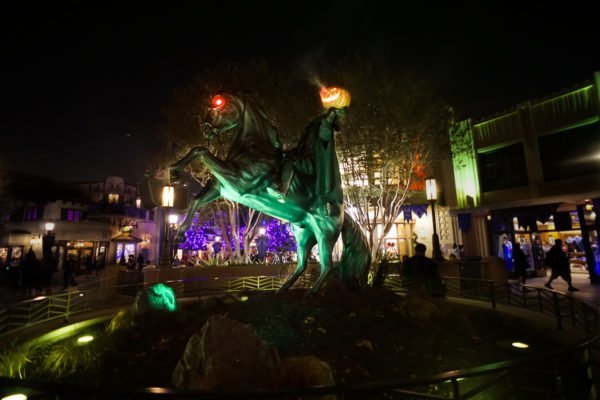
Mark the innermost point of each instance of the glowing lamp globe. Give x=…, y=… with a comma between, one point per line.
x=168, y=196
x=431, y=189
x=335, y=97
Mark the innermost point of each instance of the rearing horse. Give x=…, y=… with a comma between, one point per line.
x=251, y=172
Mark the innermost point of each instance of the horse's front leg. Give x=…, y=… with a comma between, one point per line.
x=229, y=175
x=209, y=193
x=189, y=157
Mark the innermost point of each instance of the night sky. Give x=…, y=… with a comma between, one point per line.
x=82, y=88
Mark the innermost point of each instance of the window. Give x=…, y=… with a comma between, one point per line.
x=571, y=153
x=68, y=214
x=31, y=214
x=113, y=198
x=503, y=168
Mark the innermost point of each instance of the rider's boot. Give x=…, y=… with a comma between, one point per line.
x=284, y=186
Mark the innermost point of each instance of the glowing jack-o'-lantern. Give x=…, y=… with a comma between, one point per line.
x=335, y=97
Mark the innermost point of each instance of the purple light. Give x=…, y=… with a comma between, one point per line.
x=279, y=235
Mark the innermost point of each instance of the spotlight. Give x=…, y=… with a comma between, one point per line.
x=85, y=339
x=18, y=396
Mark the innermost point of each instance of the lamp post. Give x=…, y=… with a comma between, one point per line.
x=261, y=244
x=431, y=192
x=173, y=218
x=168, y=197
x=48, y=240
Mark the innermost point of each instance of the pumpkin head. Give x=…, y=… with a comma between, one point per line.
x=335, y=97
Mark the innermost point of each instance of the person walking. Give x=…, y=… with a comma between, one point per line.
x=30, y=273
x=49, y=267
x=521, y=263
x=69, y=271
x=140, y=261
x=558, y=262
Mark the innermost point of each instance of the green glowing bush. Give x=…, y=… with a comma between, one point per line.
x=121, y=320
x=13, y=362
x=68, y=358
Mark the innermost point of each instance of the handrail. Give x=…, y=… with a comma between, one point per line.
x=399, y=386
x=474, y=288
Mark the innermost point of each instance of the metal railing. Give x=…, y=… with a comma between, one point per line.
x=565, y=374
x=568, y=373
x=560, y=306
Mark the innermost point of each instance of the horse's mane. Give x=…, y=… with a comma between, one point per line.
x=260, y=118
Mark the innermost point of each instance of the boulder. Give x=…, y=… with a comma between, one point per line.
x=308, y=371
x=226, y=354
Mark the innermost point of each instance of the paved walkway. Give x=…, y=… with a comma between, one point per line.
x=10, y=294
x=587, y=292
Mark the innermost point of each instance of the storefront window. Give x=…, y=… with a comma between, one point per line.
x=546, y=226
x=125, y=249
x=15, y=256
x=595, y=244
x=575, y=220
x=3, y=255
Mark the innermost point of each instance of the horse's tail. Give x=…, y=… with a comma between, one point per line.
x=356, y=257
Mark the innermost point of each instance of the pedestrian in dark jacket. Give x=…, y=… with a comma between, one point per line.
x=521, y=263
x=421, y=273
x=49, y=267
x=558, y=261
x=30, y=273
x=69, y=271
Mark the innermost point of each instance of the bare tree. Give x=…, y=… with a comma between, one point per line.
x=395, y=132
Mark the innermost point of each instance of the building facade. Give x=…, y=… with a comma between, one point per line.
x=99, y=223
x=532, y=175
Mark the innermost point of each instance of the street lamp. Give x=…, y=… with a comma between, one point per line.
x=173, y=218
x=431, y=192
x=262, y=242
x=168, y=198
x=48, y=240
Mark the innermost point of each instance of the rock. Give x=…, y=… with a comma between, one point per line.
x=227, y=354
x=308, y=371
x=420, y=309
x=365, y=343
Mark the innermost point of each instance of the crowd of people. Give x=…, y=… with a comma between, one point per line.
x=36, y=274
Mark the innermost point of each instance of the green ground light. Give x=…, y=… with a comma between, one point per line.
x=162, y=297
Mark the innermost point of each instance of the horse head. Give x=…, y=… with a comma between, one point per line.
x=224, y=113
x=228, y=112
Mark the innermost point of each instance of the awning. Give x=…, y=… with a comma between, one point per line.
x=126, y=237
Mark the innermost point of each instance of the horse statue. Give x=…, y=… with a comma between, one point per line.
x=251, y=173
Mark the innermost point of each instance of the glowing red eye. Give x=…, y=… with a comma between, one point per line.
x=218, y=102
